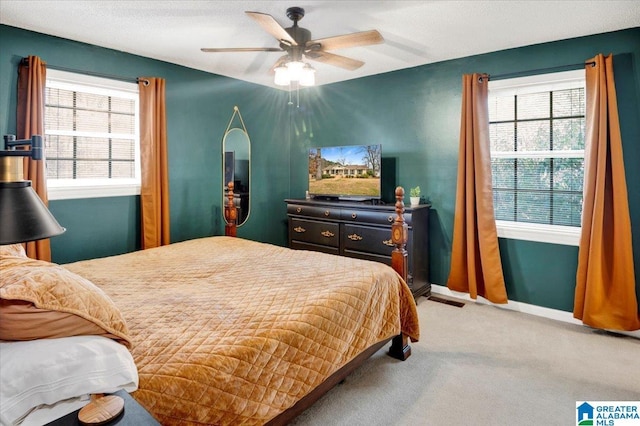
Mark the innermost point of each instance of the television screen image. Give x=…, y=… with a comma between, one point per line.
x=345, y=172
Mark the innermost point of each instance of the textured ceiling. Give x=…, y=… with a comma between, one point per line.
x=415, y=32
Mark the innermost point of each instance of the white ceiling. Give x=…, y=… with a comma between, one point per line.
x=415, y=32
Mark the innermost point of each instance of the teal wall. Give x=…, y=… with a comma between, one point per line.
x=413, y=113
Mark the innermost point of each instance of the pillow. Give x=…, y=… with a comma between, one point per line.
x=43, y=380
x=22, y=320
x=12, y=250
x=44, y=300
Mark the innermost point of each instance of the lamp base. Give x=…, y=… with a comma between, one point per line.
x=101, y=410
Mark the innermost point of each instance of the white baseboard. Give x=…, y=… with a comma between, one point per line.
x=523, y=307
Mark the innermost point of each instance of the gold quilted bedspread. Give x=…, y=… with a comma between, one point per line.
x=228, y=331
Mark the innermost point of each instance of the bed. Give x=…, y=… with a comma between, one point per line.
x=225, y=330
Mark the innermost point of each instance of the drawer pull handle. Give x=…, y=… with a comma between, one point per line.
x=390, y=219
x=299, y=229
x=388, y=243
x=299, y=209
x=354, y=237
x=326, y=212
x=353, y=215
x=327, y=234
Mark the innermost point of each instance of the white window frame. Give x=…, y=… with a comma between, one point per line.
x=555, y=234
x=64, y=189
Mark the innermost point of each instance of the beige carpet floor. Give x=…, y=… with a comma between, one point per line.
x=482, y=365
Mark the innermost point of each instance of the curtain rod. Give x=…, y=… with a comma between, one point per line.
x=25, y=62
x=540, y=71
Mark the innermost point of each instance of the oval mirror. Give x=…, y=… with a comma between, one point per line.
x=236, y=166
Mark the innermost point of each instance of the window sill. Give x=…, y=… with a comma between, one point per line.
x=96, y=190
x=554, y=234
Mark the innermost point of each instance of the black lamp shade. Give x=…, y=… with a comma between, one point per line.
x=23, y=215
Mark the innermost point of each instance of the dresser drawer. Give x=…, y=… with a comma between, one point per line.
x=314, y=211
x=315, y=232
x=367, y=239
x=369, y=256
x=300, y=245
x=372, y=216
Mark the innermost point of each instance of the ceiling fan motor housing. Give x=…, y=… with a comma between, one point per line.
x=301, y=36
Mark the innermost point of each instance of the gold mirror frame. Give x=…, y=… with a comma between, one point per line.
x=236, y=166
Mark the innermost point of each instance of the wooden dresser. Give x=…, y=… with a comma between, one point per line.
x=362, y=231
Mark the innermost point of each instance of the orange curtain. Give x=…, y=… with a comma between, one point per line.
x=475, y=259
x=605, y=282
x=32, y=77
x=154, y=191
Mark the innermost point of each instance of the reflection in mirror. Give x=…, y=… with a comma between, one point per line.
x=236, y=166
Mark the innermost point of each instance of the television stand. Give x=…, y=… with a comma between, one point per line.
x=363, y=231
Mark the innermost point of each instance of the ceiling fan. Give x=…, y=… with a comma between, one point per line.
x=296, y=42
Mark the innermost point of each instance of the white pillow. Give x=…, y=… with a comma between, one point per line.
x=45, y=379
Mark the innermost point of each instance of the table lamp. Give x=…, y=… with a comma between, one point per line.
x=23, y=215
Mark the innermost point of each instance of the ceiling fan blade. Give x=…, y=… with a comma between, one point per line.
x=241, y=49
x=335, y=60
x=271, y=26
x=363, y=38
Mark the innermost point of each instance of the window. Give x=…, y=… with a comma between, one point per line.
x=92, y=142
x=536, y=128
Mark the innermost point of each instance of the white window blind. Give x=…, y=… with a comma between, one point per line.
x=537, y=152
x=91, y=136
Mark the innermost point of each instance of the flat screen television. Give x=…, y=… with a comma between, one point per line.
x=345, y=172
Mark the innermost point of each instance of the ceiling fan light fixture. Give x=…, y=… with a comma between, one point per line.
x=295, y=70
x=308, y=76
x=282, y=76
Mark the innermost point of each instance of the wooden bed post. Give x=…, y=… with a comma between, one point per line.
x=230, y=213
x=399, y=237
x=400, y=348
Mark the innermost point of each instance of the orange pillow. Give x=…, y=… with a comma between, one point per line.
x=22, y=320
x=44, y=300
